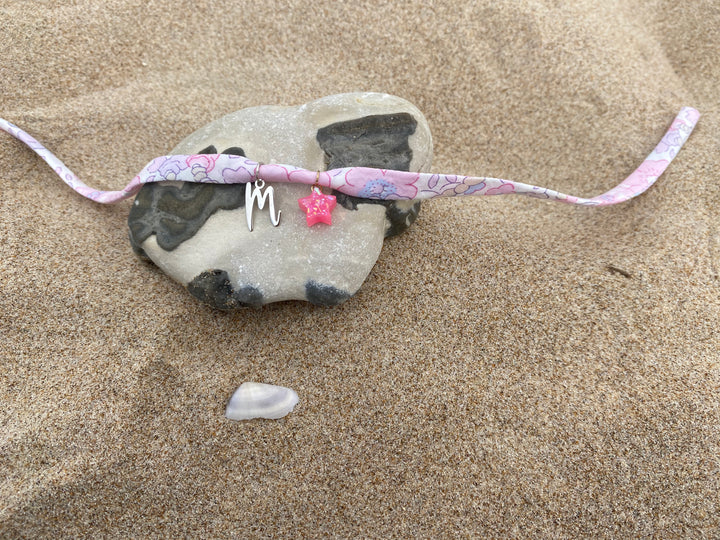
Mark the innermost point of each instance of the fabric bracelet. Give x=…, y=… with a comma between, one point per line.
x=365, y=182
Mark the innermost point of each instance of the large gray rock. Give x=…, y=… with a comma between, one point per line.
x=198, y=235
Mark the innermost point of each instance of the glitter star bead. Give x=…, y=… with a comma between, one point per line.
x=318, y=207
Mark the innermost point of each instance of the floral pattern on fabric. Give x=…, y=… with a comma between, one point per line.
x=363, y=181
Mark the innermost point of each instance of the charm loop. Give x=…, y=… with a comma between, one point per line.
x=317, y=206
x=256, y=173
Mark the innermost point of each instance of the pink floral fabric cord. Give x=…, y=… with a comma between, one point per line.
x=366, y=182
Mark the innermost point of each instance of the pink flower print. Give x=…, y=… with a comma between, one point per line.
x=643, y=177
x=647, y=172
x=206, y=161
x=503, y=189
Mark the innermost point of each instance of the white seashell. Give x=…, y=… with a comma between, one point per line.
x=258, y=400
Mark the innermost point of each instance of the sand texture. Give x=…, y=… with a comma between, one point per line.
x=511, y=367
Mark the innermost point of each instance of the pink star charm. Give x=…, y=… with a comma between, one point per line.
x=318, y=207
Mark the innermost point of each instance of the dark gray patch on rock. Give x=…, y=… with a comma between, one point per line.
x=176, y=214
x=209, y=150
x=324, y=295
x=214, y=288
x=234, y=151
x=399, y=218
x=379, y=141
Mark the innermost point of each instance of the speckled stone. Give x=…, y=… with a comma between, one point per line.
x=197, y=233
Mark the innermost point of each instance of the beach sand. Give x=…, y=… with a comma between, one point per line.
x=510, y=368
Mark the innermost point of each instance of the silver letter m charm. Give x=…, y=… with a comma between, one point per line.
x=255, y=193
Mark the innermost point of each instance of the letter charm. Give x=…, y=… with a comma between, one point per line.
x=255, y=193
